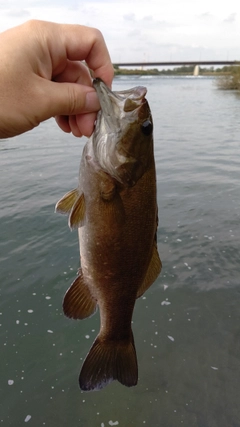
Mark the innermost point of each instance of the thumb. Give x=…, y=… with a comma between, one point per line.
x=68, y=99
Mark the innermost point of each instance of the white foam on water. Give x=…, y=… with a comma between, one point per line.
x=186, y=264
x=28, y=418
x=165, y=303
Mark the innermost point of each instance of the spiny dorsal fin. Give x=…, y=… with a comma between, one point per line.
x=77, y=213
x=109, y=360
x=153, y=271
x=78, y=302
x=65, y=204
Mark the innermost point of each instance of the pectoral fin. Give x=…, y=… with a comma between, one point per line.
x=65, y=204
x=77, y=213
x=78, y=302
x=153, y=271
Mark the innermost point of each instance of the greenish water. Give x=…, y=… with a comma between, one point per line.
x=186, y=327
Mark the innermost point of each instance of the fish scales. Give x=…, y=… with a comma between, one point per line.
x=115, y=210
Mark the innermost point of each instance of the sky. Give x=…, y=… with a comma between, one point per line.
x=144, y=30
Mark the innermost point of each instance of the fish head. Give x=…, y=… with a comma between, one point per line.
x=123, y=136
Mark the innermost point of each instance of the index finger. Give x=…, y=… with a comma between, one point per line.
x=86, y=43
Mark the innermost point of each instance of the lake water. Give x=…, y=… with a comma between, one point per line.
x=186, y=326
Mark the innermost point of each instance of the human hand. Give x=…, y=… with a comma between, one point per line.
x=42, y=76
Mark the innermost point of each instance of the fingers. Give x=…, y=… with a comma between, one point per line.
x=79, y=125
x=85, y=43
x=74, y=72
x=62, y=122
x=82, y=124
x=43, y=76
x=77, y=72
x=85, y=123
x=73, y=105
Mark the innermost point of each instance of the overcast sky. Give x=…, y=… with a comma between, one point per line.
x=144, y=30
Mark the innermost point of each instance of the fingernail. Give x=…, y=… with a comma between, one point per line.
x=92, y=102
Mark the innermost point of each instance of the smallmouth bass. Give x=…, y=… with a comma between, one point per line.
x=115, y=211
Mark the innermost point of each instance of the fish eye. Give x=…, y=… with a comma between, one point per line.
x=147, y=127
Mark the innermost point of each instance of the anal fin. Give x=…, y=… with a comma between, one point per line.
x=153, y=271
x=78, y=302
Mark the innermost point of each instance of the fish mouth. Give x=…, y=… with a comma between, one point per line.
x=116, y=140
x=116, y=105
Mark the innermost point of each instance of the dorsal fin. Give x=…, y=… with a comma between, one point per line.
x=153, y=271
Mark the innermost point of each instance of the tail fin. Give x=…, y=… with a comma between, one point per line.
x=108, y=361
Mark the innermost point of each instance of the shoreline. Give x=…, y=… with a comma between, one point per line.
x=180, y=71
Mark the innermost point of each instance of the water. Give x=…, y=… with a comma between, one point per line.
x=186, y=327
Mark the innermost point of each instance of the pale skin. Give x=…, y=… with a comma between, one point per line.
x=42, y=76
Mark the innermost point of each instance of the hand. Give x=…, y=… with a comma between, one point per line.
x=42, y=76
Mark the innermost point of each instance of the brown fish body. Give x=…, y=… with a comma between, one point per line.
x=116, y=210
x=116, y=243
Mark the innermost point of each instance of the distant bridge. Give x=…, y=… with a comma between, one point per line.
x=174, y=63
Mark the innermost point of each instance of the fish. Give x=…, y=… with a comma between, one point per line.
x=115, y=210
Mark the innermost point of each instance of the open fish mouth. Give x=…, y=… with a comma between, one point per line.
x=119, y=140
x=116, y=105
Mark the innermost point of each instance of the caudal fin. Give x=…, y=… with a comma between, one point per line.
x=108, y=361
